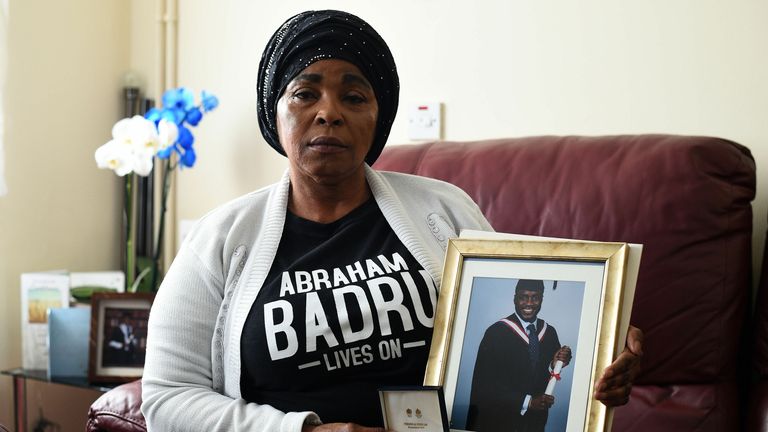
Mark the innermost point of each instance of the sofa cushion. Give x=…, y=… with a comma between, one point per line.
x=684, y=407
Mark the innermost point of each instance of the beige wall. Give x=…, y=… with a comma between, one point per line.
x=503, y=68
x=66, y=61
x=145, y=48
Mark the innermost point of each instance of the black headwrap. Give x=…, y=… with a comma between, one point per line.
x=329, y=34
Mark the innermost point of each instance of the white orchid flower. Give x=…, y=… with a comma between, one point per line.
x=138, y=133
x=142, y=164
x=167, y=133
x=133, y=146
x=116, y=157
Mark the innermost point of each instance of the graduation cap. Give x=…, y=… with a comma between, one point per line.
x=532, y=285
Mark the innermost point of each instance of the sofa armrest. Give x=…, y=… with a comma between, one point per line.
x=757, y=418
x=118, y=410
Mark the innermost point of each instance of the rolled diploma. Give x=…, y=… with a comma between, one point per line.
x=553, y=380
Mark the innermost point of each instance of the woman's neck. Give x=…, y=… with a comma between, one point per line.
x=325, y=203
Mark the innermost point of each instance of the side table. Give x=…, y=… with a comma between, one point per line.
x=22, y=376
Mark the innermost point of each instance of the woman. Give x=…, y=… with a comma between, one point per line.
x=296, y=302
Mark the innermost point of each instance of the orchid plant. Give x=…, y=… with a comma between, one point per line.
x=163, y=133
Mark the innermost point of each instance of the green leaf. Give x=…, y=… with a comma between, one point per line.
x=144, y=268
x=84, y=293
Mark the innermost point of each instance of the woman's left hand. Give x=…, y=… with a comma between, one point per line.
x=614, y=387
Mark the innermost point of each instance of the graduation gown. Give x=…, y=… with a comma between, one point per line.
x=503, y=376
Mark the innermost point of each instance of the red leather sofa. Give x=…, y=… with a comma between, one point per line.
x=687, y=199
x=118, y=410
x=757, y=421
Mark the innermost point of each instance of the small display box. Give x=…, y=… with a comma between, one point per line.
x=413, y=408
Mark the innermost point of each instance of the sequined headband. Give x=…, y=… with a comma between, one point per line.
x=328, y=34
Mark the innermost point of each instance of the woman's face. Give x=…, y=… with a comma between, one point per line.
x=326, y=121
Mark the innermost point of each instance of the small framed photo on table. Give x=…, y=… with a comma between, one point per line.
x=118, y=342
x=413, y=408
x=523, y=330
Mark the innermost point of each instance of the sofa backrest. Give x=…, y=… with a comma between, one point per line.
x=687, y=199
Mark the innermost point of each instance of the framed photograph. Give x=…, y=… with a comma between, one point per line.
x=523, y=330
x=118, y=342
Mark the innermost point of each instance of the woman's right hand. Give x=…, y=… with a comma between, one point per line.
x=340, y=427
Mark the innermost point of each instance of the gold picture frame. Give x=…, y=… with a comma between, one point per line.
x=480, y=276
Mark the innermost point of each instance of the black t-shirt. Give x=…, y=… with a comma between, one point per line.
x=344, y=310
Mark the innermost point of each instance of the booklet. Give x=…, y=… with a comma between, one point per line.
x=68, y=333
x=40, y=292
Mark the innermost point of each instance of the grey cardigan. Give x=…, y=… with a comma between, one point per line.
x=191, y=376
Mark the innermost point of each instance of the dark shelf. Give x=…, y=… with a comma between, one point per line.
x=41, y=375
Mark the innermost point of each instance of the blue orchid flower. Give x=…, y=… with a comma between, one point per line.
x=154, y=114
x=179, y=109
x=188, y=158
x=210, y=102
x=166, y=152
x=178, y=99
x=179, y=115
x=186, y=139
x=157, y=114
x=194, y=116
